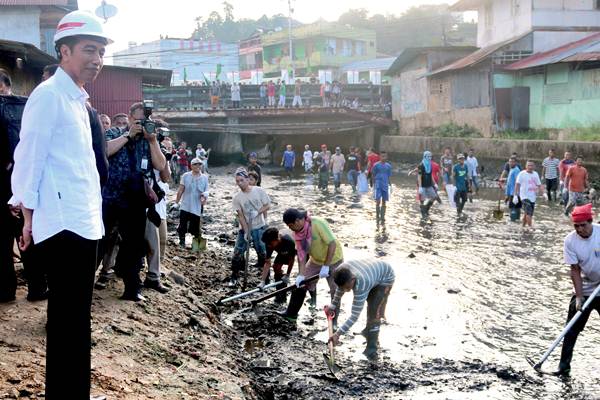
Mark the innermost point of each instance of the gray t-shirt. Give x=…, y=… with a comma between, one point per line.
x=249, y=203
x=195, y=187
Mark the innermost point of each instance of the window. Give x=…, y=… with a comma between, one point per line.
x=515, y=7
x=488, y=15
x=360, y=48
x=596, y=4
x=330, y=47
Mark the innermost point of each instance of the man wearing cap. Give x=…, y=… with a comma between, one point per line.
x=337, y=167
x=307, y=159
x=582, y=253
x=527, y=185
x=251, y=205
x=288, y=161
x=324, y=160
x=59, y=195
x=254, y=167
x=460, y=173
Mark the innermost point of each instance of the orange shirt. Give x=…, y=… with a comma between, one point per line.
x=577, y=178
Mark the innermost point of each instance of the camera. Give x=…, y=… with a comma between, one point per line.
x=162, y=133
x=147, y=123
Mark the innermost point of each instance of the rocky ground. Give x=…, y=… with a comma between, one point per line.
x=182, y=346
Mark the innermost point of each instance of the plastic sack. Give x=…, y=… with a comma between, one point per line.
x=363, y=184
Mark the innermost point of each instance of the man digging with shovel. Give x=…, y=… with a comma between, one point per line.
x=371, y=281
x=582, y=253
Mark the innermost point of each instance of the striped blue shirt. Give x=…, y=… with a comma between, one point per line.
x=369, y=273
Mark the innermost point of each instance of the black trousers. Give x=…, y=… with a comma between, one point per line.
x=568, y=346
x=188, y=222
x=131, y=225
x=72, y=262
x=460, y=198
x=35, y=273
x=8, y=279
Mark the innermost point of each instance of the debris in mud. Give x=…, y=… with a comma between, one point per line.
x=411, y=255
x=454, y=291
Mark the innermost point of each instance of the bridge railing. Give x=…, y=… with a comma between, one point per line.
x=197, y=97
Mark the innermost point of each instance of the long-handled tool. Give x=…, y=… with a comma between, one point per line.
x=538, y=366
x=247, y=256
x=284, y=290
x=330, y=356
x=248, y=293
x=498, y=212
x=198, y=242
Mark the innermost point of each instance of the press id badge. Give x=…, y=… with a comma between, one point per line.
x=144, y=163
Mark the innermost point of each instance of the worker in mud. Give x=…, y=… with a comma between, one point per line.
x=285, y=246
x=254, y=167
x=251, y=204
x=461, y=182
x=371, y=281
x=319, y=252
x=381, y=173
x=582, y=254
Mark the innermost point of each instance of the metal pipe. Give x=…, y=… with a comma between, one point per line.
x=248, y=293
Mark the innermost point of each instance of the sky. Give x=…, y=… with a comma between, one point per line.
x=145, y=20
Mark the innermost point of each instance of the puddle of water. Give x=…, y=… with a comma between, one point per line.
x=466, y=288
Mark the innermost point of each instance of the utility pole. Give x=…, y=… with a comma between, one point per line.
x=290, y=11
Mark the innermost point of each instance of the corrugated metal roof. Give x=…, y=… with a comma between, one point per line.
x=34, y=2
x=376, y=64
x=409, y=54
x=476, y=57
x=151, y=76
x=575, y=51
x=28, y=52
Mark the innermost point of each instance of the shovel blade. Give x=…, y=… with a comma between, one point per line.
x=536, y=366
x=333, y=367
x=198, y=244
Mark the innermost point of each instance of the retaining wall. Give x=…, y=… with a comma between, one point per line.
x=491, y=148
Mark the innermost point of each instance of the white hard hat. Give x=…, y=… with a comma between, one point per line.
x=80, y=23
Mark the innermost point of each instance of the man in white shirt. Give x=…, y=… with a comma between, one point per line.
x=59, y=195
x=582, y=253
x=527, y=185
x=307, y=159
x=472, y=167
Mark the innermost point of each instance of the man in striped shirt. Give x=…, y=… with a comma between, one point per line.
x=550, y=172
x=371, y=281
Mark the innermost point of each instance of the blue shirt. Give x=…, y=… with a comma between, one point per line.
x=120, y=168
x=460, y=177
x=288, y=158
x=381, y=172
x=512, y=180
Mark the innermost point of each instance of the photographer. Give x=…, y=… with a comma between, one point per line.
x=133, y=154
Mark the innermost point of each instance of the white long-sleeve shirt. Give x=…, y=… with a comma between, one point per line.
x=55, y=171
x=195, y=187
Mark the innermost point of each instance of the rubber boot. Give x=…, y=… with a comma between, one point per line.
x=382, y=213
x=313, y=299
x=372, y=340
x=428, y=206
x=182, y=241
x=296, y=301
x=281, y=297
x=377, y=212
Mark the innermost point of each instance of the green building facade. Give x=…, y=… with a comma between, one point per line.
x=319, y=46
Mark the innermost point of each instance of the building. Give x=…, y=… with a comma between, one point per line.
x=320, y=50
x=192, y=61
x=33, y=21
x=558, y=89
x=415, y=98
x=550, y=23
x=367, y=71
x=251, y=59
x=117, y=88
x=25, y=63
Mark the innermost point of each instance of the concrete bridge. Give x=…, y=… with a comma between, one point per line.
x=238, y=131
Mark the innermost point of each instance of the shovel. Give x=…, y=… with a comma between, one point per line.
x=538, y=366
x=499, y=212
x=330, y=356
x=198, y=242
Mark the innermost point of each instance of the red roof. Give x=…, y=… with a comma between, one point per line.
x=34, y=2
x=585, y=49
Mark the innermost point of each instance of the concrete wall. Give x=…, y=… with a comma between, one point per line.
x=490, y=148
x=479, y=118
x=20, y=24
x=413, y=91
x=509, y=18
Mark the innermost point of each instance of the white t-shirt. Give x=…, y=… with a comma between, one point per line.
x=529, y=183
x=308, y=158
x=586, y=253
x=472, y=165
x=249, y=203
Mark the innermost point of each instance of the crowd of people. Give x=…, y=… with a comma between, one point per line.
x=107, y=207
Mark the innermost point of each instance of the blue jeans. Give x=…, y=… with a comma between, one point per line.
x=337, y=179
x=446, y=177
x=256, y=236
x=353, y=178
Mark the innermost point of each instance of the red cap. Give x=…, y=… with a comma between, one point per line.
x=582, y=213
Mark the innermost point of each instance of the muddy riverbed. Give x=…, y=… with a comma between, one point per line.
x=473, y=297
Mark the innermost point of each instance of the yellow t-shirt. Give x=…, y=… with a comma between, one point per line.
x=321, y=237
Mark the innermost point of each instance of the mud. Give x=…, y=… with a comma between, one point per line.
x=473, y=298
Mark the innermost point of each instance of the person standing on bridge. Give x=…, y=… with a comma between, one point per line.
x=271, y=93
x=215, y=94
x=282, y=94
x=236, y=97
x=262, y=93
x=582, y=254
x=297, y=101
